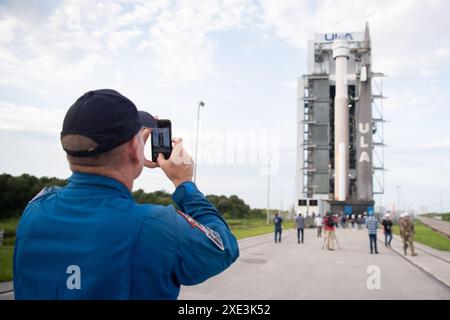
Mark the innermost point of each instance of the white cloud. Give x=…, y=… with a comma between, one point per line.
x=142, y=12
x=408, y=36
x=181, y=36
x=433, y=145
x=68, y=43
x=290, y=84
x=121, y=39
x=8, y=27
x=27, y=118
x=76, y=38
x=180, y=43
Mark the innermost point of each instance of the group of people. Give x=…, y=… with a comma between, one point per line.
x=406, y=232
x=345, y=221
x=330, y=222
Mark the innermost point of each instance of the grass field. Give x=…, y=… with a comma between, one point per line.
x=243, y=228
x=428, y=237
x=443, y=216
x=7, y=250
x=9, y=226
x=6, y=262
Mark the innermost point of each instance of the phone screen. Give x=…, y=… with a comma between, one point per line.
x=162, y=139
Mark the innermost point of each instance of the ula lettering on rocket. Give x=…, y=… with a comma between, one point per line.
x=364, y=128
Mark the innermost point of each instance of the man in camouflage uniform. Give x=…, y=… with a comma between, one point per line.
x=407, y=233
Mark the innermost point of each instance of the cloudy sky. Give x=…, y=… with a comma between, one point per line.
x=242, y=58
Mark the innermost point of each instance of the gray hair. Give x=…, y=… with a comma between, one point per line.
x=77, y=142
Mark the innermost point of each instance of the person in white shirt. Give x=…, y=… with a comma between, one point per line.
x=318, y=222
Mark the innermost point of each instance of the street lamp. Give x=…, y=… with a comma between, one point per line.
x=268, y=194
x=200, y=104
x=398, y=198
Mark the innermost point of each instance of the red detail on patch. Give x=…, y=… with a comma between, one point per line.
x=189, y=219
x=210, y=234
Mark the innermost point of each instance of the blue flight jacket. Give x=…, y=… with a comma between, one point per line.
x=91, y=240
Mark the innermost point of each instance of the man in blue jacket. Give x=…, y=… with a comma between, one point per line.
x=372, y=228
x=278, y=223
x=91, y=240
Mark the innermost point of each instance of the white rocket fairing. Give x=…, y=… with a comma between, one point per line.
x=341, y=121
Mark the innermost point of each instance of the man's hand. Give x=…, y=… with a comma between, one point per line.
x=179, y=167
x=148, y=163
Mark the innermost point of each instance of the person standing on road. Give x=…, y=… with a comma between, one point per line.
x=407, y=233
x=278, y=223
x=372, y=227
x=342, y=221
x=319, y=223
x=300, y=225
x=387, y=228
x=330, y=223
x=360, y=222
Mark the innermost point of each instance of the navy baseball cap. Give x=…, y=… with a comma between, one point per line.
x=106, y=117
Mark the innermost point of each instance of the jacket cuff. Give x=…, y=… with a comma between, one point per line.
x=184, y=191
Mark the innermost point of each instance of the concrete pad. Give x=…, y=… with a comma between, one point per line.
x=6, y=290
x=289, y=270
x=434, y=262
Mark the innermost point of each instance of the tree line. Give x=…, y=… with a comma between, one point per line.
x=17, y=191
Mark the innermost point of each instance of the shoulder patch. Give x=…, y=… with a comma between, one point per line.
x=188, y=218
x=210, y=234
x=213, y=236
x=45, y=191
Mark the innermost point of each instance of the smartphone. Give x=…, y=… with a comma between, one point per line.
x=162, y=139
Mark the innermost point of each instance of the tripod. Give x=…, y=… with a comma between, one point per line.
x=334, y=239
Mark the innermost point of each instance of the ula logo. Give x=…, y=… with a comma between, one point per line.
x=342, y=36
x=364, y=129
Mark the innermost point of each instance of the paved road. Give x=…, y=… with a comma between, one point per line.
x=5, y=290
x=289, y=270
x=439, y=225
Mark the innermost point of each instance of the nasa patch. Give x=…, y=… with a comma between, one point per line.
x=43, y=192
x=211, y=234
x=188, y=218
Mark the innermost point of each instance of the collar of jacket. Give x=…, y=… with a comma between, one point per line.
x=83, y=180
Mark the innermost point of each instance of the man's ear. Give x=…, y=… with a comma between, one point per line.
x=133, y=148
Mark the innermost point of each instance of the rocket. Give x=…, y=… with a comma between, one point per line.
x=341, y=52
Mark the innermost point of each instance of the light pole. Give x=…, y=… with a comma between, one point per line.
x=268, y=194
x=398, y=198
x=200, y=104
